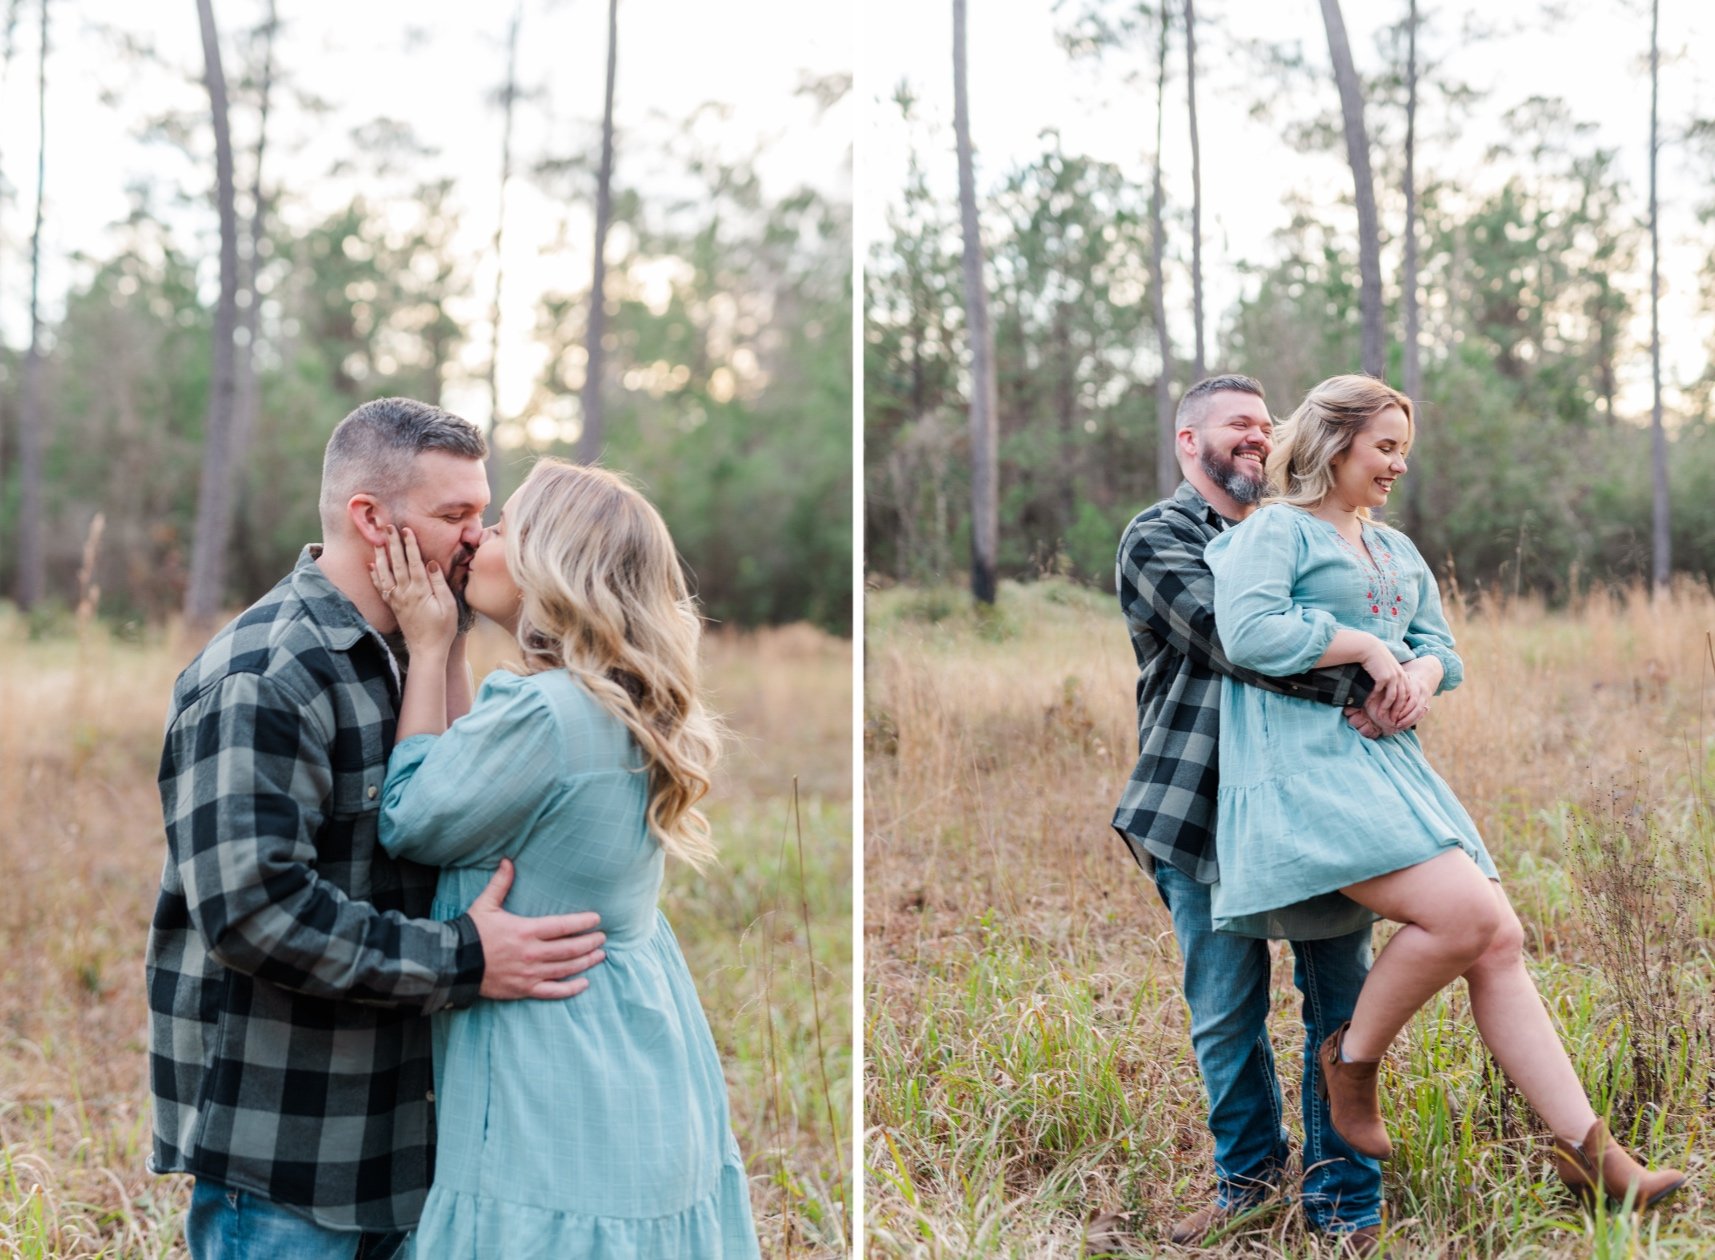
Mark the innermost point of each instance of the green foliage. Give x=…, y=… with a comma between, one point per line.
x=730, y=395
x=730, y=398
x=1067, y=242
x=1531, y=465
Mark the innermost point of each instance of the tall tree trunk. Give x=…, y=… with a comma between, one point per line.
x=594, y=430
x=1166, y=461
x=1661, y=553
x=1066, y=409
x=9, y=40
x=214, y=496
x=1198, y=367
x=31, y=422
x=1412, y=367
x=985, y=502
x=1374, y=352
x=249, y=391
x=508, y=98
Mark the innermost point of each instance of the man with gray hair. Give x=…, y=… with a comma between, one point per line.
x=292, y=963
x=1166, y=816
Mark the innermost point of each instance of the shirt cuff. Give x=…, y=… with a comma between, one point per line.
x=467, y=964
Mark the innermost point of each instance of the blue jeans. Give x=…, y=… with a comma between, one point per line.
x=226, y=1224
x=1226, y=987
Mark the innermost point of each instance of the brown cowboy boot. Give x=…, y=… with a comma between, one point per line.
x=1599, y=1162
x=1350, y=1089
x=1193, y=1229
x=1212, y=1217
x=1366, y=1240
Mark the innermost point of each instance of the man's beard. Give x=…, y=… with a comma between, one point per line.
x=467, y=614
x=1241, y=485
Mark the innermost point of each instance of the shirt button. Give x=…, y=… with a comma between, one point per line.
x=372, y=791
x=431, y=1095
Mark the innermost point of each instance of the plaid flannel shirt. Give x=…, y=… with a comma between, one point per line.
x=291, y=964
x=1167, y=811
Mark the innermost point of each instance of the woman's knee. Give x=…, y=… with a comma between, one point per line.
x=1506, y=946
x=1471, y=925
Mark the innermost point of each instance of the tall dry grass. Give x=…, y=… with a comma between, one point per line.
x=1027, y=1060
x=767, y=934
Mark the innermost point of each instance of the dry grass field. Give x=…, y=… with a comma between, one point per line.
x=768, y=935
x=1028, y=1067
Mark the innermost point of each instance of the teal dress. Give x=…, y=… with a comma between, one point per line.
x=1306, y=805
x=591, y=1127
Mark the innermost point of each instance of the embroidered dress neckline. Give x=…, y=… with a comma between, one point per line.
x=1380, y=571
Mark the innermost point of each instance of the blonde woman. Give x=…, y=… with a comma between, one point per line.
x=596, y=1127
x=1321, y=830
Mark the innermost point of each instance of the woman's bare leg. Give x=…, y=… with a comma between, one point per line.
x=1450, y=917
x=1516, y=1028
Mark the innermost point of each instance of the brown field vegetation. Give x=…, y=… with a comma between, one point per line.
x=1027, y=1061
x=81, y=849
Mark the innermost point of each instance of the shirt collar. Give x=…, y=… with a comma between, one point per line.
x=1192, y=500
x=328, y=608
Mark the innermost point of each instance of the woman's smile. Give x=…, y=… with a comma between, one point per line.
x=1365, y=472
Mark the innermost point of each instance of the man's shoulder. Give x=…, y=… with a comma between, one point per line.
x=1177, y=517
x=278, y=638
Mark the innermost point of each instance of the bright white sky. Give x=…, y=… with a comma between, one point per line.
x=1021, y=83
x=436, y=65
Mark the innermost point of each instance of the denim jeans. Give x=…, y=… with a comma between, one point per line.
x=226, y=1224
x=1226, y=987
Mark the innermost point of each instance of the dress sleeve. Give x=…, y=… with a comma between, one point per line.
x=1429, y=634
x=465, y=797
x=1255, y=566
x=1166, y=588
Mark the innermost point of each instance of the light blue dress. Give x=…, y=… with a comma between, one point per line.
x=595, y=1126
x=1307, y=805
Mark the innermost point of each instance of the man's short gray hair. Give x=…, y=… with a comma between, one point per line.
x=373, y=449
x=1195, y=401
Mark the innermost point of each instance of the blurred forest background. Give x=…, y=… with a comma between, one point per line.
x=1515, y=136
x=404, y=202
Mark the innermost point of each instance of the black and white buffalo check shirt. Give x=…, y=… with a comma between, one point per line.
x=291, y=963
x=1167, y=811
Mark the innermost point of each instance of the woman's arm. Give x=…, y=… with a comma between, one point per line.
x=1256, y=566
x=428, y=618
x=465, y=797
x=1165, y=588
x=1429, y=636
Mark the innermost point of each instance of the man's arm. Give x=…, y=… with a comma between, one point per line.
x=1165, y=584
x=251, y=777
x=251, y=771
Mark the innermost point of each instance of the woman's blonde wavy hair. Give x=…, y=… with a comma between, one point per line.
x=604, y=597
x=1301, y=466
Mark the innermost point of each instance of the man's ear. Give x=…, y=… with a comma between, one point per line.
x=368, y=518
x=1185, y=443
